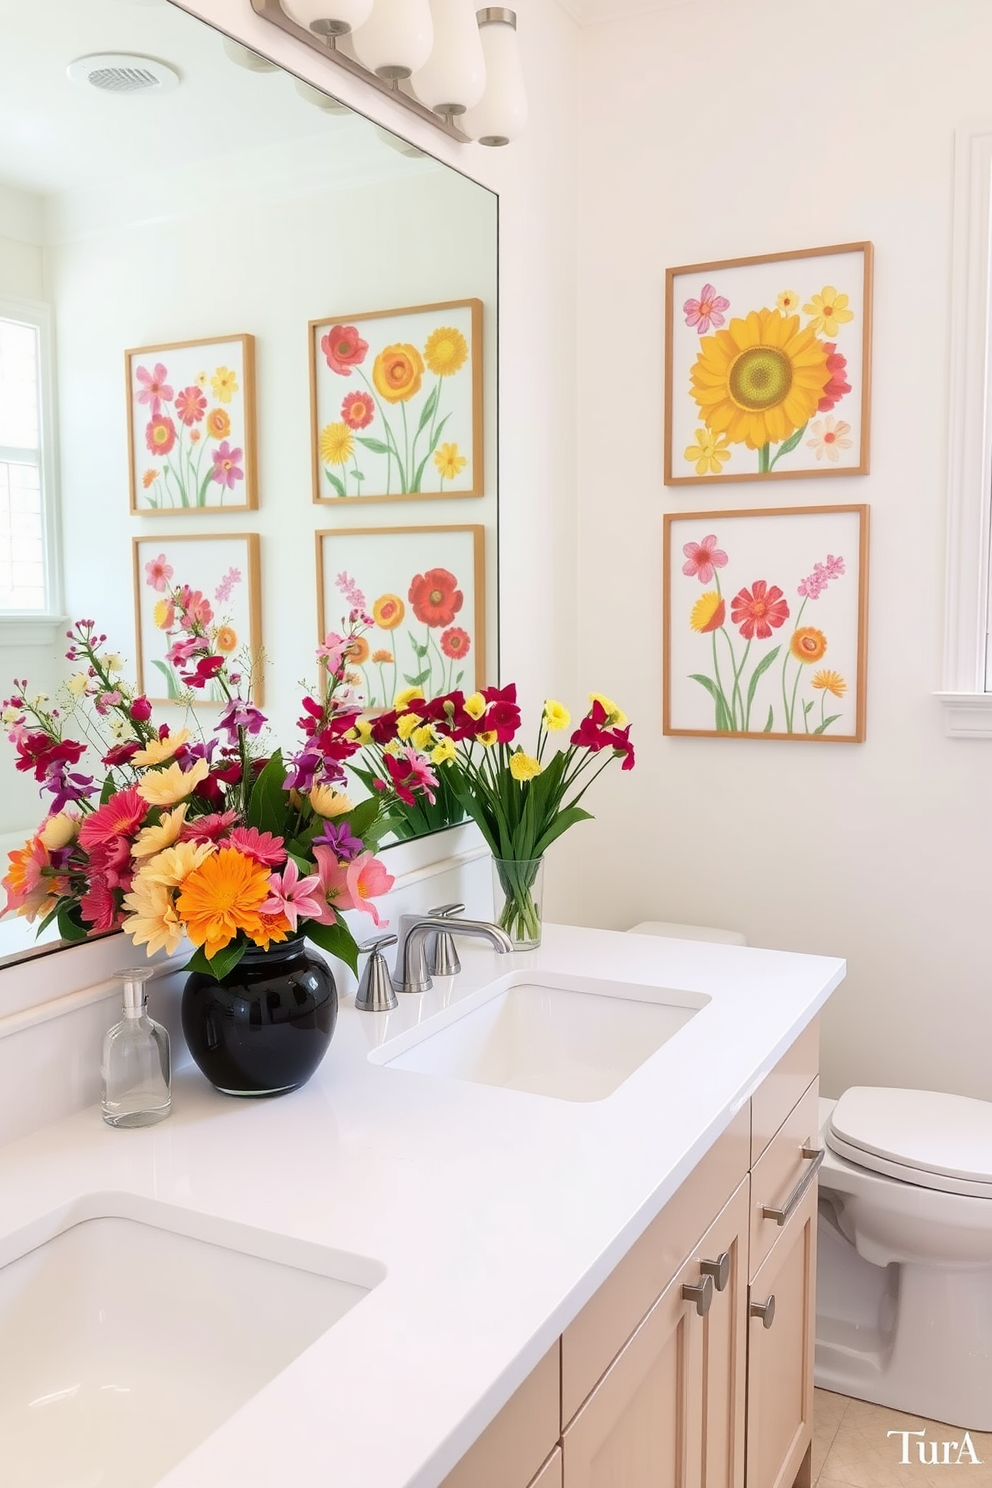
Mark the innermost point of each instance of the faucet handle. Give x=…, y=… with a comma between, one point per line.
x=442, y=957
x=375, y=990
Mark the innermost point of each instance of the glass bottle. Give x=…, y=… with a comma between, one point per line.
x=136, y=1069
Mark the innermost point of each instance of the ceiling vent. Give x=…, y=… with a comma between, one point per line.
x=120, y=72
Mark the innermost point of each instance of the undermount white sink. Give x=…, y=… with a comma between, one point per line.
x=125, y=1343
x=572, y=1038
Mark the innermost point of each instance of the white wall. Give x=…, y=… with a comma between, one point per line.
x=715, y=130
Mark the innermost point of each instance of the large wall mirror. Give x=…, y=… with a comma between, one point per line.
x=232, y=201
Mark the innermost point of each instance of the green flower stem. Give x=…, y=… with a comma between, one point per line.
x=390, y=437
x=407, y=480
x=736, y=699
x=519, y=915
x=785, y=663
x=763, y=465
x=716, y=669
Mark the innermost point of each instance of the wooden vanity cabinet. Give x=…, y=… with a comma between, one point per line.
x=677, y=1373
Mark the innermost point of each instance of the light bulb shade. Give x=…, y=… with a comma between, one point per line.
x=396, y=39
x=501, y=113
x=454, y=75
x=328, y=17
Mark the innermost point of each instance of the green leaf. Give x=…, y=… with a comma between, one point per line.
x=267, y=806
x=724, y=719
x=336, y=939
x=71, y=925
x=561, y=823
x=339, y=488
x=172, y=686
x=375, y=445
x=358, y=475
x=108, y=789
x=756, y=675
x=789, y=445
x=768, y=723
x=826, y=723
x=219, y=964
x=362, y=818
x=418, y=680
x=427, y=413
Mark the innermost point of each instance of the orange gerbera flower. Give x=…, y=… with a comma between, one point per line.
x=218, y=423
x=357, y=651
x=222, y=896
x=808, y=643
x=270, y=929
x=226, y=639
x=828, y=681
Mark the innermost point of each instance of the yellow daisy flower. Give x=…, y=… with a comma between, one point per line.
x=760, y=379
x=337, y=444
x=708, y=613
x=328, y=802
x=59, y=831
x=829, y=311
x=449, y=462
x=173, y=864
x=152, y=840
x=406, y=696
x=407, y=724
x=159, y=750
x=788, y=302
x=153, y=920
x=225, y=384
x=708, y=453
x=167, y=787
x=444, y=752
x=556, y=716
x=446, y=351
x=420, y=738
x=828, y=681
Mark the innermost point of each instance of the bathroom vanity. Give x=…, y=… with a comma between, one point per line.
x=538, y=1197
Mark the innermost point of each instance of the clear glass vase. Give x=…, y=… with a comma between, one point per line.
x=518, y=899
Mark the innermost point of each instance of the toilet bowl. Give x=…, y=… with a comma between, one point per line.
x=904, y=1253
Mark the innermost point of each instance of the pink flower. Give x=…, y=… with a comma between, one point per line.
x=223, y=591
x=191, y=405
x=160, y=434
x=158, y=573
x=227, y=469
x=344, y=348
x=262, y=846
x=154, y=389
x=351, y=591
x=195, y=607
x=333, y=651
x=814, y=584
x=98, y=905
x=210, y=828
x=290, y=895
x=349, y=885
x=702, y=558
x=707, y=311
x=120, y=816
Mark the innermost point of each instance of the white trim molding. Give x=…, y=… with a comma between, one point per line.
x=968, y=704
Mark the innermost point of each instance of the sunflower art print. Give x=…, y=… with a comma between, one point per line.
x=424, y=588
x=767, y=366
x=765, y=615
x=396, y=403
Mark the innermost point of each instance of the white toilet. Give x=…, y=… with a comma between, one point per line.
x=904, y=1270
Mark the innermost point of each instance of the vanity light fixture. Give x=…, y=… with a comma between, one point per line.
x=442, y=59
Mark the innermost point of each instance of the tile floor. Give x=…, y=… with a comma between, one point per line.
x=851, y=1449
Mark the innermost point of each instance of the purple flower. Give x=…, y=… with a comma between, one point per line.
x=337, y=836
x=240, y=715
x=66, y=787
x=303, y=769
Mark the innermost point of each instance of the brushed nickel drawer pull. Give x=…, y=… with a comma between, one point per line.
x=764, y=1310
x=701, y=1294
x=718, y=1269
x=814, y=1156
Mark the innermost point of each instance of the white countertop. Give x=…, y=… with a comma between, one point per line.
x=496, y=1214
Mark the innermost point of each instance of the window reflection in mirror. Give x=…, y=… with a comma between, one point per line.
x=228, y=200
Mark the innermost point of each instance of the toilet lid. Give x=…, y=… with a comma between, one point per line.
x=921, y=1136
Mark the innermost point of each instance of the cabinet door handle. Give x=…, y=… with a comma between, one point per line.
x=718, y=1269
x=701, y=1294
x=814, y=1156
x=764, y=1310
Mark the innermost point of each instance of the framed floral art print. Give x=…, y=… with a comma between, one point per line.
x=219, y=574
x=425, y=590
x=191, y=426
x=765, y=623
x=396, y=403
x=767, y=366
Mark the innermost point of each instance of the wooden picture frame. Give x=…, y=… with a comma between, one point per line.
x=191, y=434
x=401, y=392
x=204, y=562
x=754, y=600
x=386, y=563
x=768, y=366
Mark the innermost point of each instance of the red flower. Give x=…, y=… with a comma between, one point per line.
x=119, y=754
x=758, y=609
x=191, y=405
x=140, y=710
x=344, y=348
x=435, y=597
x=206, y=669
x=98, y=905
x=591, y=732
x=160, y=435
x=357, y=410
x=838, y=385
x=208, y=828
x=383, y=726
x=118, y=817
x=41, y=753
x=456, y=642
x=262, y=846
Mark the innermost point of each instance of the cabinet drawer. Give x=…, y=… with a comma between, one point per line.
x=781, y=1089
x=780, y=1169
x=593, y=1340
x=516, y=1443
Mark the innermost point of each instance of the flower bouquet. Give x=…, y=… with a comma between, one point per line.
x=521, y=802
x=214, y=839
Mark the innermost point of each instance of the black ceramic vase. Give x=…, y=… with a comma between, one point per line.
x=264, y=1028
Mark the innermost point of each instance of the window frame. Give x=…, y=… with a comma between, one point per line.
x=33, y=627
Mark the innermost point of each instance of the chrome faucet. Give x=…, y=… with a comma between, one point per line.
x=412, y=974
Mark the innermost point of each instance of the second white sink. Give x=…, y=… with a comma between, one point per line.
x=572, y=1038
